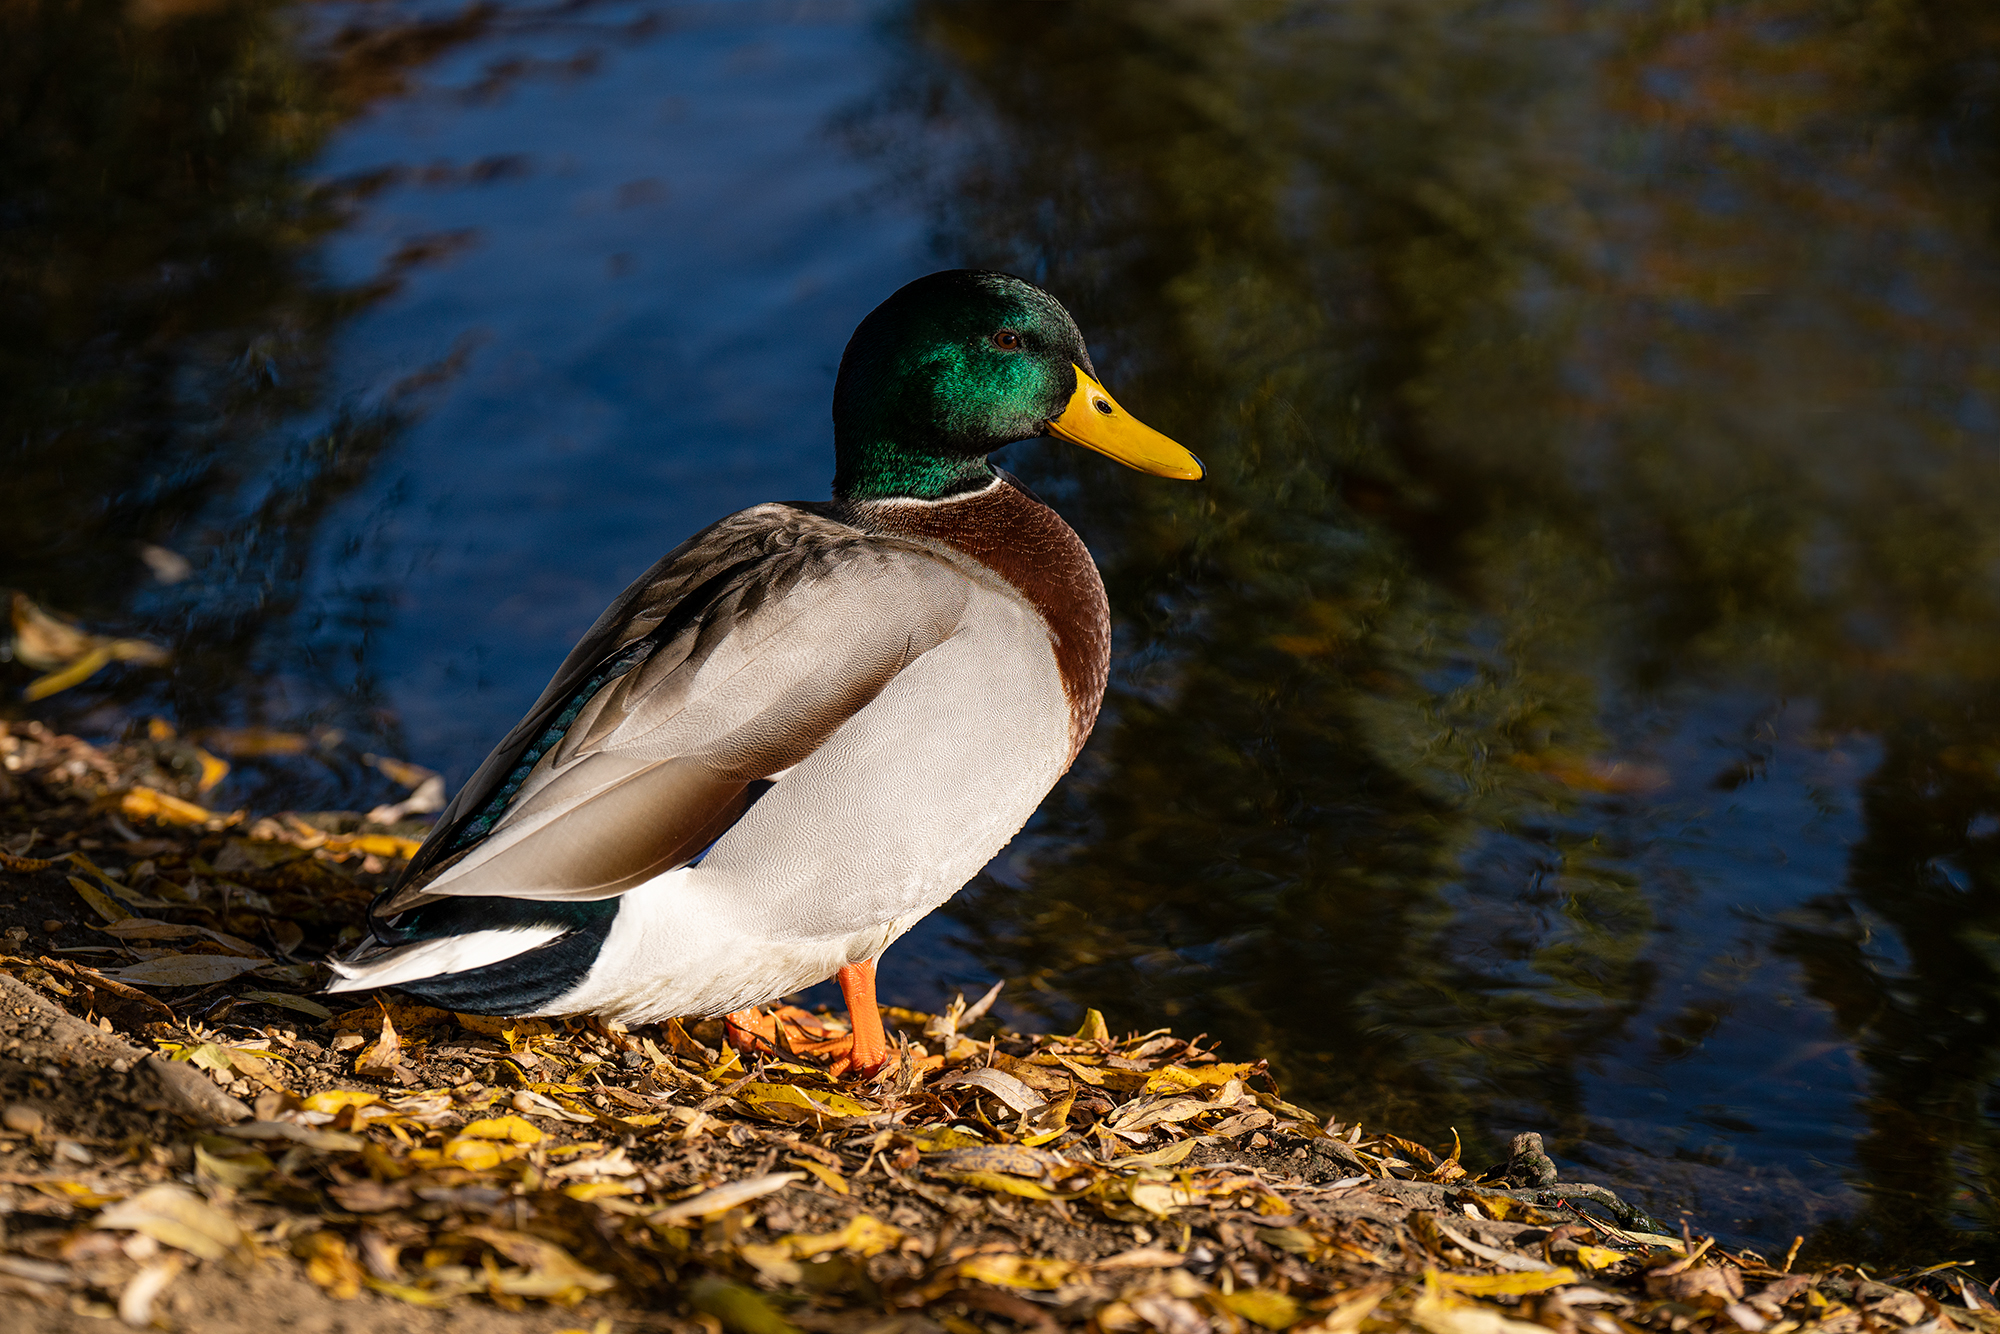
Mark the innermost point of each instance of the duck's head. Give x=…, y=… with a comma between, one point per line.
x=958, y=364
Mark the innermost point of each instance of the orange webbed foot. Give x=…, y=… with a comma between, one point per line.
x=789, y=1030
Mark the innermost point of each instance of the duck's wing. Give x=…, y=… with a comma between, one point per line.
x=728, y=662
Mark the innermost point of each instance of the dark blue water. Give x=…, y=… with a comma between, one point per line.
x=1568, y=705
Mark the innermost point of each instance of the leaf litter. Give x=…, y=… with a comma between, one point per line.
x=397, y=1153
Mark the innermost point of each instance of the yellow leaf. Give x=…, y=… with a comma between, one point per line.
x=1441, y=1315
x=474, y=1155
x=1505, y=1208
x=380, y=845
x=143, y=803
x=331, y=1101
x=1501, y=1285
x=864, y=1235
x=833, y=1180
x=1093, y=1028
x=511, y=1128
x=597, y=1190
x=213, y=770
x=789, y=1102
x=1000, y=1181
x=1265, y=1306
x=1594, y=1258
x=1179, y=1079
x=76, y=1193
x=1166, y=1157
x=740, y=1309
x=1019, y=1271
x=330, y=1263
x=100, y=902
x=403, y=1292
x=552, y=1271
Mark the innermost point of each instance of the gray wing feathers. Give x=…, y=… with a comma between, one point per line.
x=815, y=620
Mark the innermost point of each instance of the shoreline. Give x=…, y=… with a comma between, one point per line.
x=192, y=1140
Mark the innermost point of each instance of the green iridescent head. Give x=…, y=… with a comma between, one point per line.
x=958, y=364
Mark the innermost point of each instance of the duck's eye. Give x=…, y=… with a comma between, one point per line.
x=1007, y=340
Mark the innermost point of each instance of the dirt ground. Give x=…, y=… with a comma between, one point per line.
x=191, y=1139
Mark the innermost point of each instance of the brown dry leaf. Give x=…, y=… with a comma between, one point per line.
x=184, y=970
x=1009, y=1090
x=372, y=1197
x=386, y=1055
x=150, y=928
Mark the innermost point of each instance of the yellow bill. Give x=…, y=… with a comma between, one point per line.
x=1094, y=420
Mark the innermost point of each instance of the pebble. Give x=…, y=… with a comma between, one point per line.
x=22, y=1119
x=53, y=925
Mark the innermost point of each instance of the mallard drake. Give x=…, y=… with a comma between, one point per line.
x=807, y=726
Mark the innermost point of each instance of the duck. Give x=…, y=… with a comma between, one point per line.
x=807, y=726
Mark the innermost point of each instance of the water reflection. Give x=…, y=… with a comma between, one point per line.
x=1575, y=384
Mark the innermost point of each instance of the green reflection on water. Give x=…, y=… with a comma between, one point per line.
x=1553, y=364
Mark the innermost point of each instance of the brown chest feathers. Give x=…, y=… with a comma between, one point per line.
x=1027, y=544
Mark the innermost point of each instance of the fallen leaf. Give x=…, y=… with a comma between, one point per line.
x=831, y=1179
x=510, y=1128
x=1039, y=1273
x=142, y=803
x=330, y=1263
x=303, y=1004
x=1502, y=1285
x=723, y=1198
x=788, y=1102
x=100, y=903
x=1009, y=1090
x=371, y=1197
x=741, y=1309
x=1166, y=1157
x=183, y=970
x=135, y=1302
x=175, y=1216
x=386, y=1055
x=149, y=928
x=1264, y=1306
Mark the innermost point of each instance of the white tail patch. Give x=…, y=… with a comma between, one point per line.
x=431, y=958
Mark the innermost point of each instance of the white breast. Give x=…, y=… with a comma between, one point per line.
x=888, y=819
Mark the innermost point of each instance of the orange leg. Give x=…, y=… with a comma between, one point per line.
x=868, y=1045
x=862, y=1051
